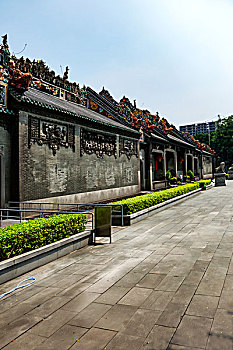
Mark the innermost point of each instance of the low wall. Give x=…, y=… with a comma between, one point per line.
x=143, y=214
x=14, y=267
x=92, y=197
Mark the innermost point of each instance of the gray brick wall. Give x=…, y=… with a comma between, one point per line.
x=43, y=175
x=5, y=148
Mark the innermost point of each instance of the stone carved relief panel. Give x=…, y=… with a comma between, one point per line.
x=54, y=135
x=96, y=143
x=128, y=147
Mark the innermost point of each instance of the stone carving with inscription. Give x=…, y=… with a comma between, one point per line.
x=96, y=143
x=128, y=147
x=54, y=135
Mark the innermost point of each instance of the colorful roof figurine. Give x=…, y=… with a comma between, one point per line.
x=27, y=76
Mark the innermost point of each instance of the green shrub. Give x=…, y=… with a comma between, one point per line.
x=204, y=182
x=173, y=180
x=21, y=238
x=168, y=175
x=134, y=204
x=190, y=174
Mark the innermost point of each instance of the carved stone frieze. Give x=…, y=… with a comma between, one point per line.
x=54, y=135
x=96, y=143
x=128, y=147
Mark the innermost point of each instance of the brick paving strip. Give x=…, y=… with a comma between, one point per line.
x=164, y=283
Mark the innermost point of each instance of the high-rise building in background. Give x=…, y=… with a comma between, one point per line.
x=199, y=128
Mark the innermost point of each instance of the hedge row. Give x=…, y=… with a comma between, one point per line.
x=21, y=238
x=132, y=205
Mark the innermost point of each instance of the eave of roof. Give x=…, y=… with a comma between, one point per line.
x=44, y=100
x=6, y=111
x=177, y=140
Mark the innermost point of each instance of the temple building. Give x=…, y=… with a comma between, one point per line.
x=63, y=143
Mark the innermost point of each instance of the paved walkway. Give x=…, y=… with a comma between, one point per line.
x=164, y=283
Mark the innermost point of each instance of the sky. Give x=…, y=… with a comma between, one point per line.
x=172, y=56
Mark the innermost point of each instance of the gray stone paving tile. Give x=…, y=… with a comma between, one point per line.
x=141, y=323
x=112, y=295
x=158, y=339
x=200, y=265
x=228, y=285
x=151, y=280
x=16, y=328
x=192, y=331
x=17, y=297
x=124, y=341
x=230, y=269
x=172, y=315
x=184, y=294
x=162, y=268
x=202, y=305
x=194, y=278
x=117, y=317
x=221, y=335
x=80, y=302
x=74, y=290
x=157, y=300
x=223, y=253
x=226, y=300
x=180, y=347
x=50, y=306
x=15, y=312
x=52, y=323
x=144, y=267
x=90, y=315
x=63, y=339
x=26, y=340
x=170, y=283
x=94, y=339
x=43, y=296
x=130, y=280
x=136, y=296
x=63, y=283
x=211, y=285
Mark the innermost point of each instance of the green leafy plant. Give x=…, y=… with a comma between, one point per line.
x=173, y=180
x=190, y=174
x=21, y=238
x=132, y=205
x=168, y=175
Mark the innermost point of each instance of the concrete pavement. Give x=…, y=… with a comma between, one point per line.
x=164, y=283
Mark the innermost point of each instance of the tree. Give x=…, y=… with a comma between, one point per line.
x=222, y=140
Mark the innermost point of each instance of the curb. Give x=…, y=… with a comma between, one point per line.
x=143, y=214
x=16, y=266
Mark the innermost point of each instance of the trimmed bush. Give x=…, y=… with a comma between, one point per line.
x=132, y=205
x=173, y=180
x=168, y=175
x=190, y=174
x=24, y=237
x=204, y=182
